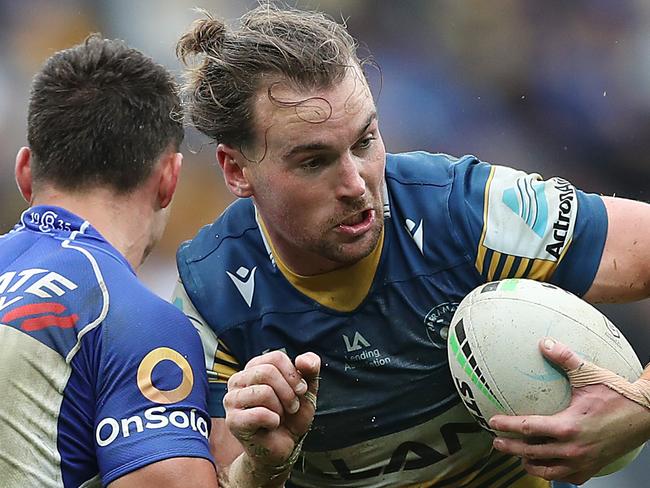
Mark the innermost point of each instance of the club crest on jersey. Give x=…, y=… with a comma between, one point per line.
x=437, y=323
x=244, y=280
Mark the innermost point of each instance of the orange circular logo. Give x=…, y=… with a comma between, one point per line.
x=145, y=370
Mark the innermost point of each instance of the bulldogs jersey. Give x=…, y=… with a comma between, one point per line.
x=99, y=377
x=388, y=413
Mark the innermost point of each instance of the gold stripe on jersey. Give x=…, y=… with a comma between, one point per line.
x=541, y=270
x=494, y=263
x=507, y=266
x=225, y=365
x=521, y=270
x=480, y=256
x=342, y=289
x=224, y=353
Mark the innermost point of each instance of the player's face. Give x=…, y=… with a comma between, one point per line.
x=318, y=186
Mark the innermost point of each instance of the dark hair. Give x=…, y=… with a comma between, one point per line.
x=308, y=49
x=100, y=114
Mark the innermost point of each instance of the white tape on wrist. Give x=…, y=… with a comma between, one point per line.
x=589, y=374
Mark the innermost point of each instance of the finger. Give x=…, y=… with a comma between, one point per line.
x=246, y=423
x=560, y=354
x=308, y=364
x=284, y=365
x=538, y=449
x=267, y=374
x=534, y=426
x=253, y=396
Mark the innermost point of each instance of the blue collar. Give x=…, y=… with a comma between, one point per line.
x=63, y=224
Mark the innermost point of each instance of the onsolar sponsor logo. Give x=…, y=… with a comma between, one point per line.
x=109, y=428
x=145, y=371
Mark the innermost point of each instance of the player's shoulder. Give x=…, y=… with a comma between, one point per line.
x=234, y=223
x=231, y=248
x=425, y=168
x=135, y=312
x=129, y=310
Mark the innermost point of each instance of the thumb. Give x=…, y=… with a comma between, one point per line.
x=560, y=354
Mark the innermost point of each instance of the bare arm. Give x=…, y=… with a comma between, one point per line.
x=270, y=405
x=624, y=271
x=171, y=473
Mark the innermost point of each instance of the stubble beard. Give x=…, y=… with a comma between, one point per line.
x=349, y=253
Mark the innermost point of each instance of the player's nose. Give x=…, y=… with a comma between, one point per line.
x=350, y=182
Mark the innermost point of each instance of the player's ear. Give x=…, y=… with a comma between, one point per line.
x=232, y=163
x=170, y=172
x=23, y=172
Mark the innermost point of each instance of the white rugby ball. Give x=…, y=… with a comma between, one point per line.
x=494, y=357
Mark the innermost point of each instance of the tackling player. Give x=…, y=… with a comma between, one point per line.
x=360, y=256
x=102, y=382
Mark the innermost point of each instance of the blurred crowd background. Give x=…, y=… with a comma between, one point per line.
x=556, y=87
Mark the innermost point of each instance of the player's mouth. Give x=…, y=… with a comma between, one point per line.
x=358, y=223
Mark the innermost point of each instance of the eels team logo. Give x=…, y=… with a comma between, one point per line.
x=145, y=372
x=437, y=323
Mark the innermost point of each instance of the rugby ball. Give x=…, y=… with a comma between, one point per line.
x=494, y=357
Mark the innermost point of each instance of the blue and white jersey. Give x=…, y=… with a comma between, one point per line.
x=388, y=413
x=99, y=377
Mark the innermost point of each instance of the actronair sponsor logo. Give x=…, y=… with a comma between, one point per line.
x=463, y=354
x=527, y=199
x=562, y=225
x=109, y=428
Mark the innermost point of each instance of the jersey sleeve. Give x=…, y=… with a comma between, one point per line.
x=220, y=364
x=517, y=225
x=150, y=391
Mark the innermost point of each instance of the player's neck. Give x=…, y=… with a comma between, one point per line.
x=124, y=222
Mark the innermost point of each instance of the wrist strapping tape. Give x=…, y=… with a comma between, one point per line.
x=589, y=374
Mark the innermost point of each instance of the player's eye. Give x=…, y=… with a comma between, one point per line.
x=366, y=142
x=312, y=164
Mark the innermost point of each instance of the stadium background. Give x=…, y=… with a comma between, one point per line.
x=556, y=87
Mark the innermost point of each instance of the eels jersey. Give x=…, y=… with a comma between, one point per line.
x=388, y=413
x=99, y=377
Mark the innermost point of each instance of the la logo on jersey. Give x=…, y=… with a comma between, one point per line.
x=244, y=280
x=361, y=353
x=358, y=342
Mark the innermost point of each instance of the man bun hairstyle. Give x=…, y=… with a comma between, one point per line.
x=100, y=114
x=226, y=66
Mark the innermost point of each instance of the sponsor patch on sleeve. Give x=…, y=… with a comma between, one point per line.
x=528, y=224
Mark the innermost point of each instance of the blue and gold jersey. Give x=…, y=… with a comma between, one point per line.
x=99, y=377
x=388, y=413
